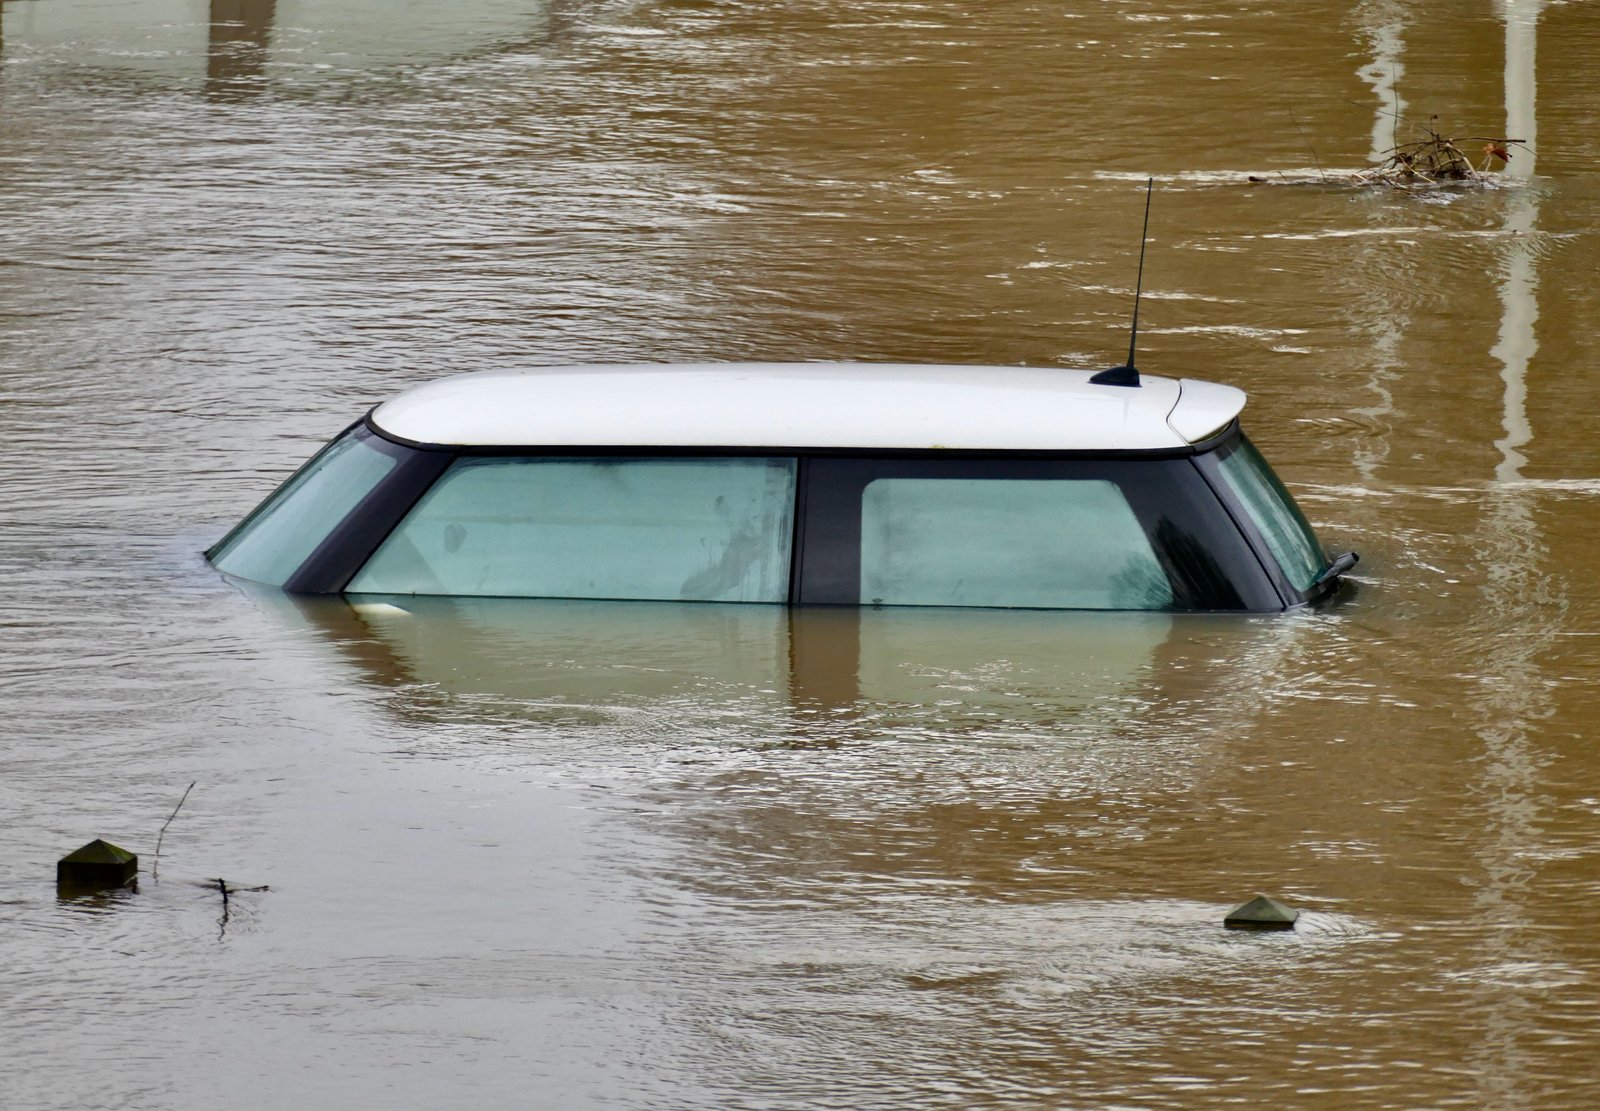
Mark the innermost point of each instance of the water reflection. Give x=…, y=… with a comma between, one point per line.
x=1378, y=312
x=1522, y=20
x=1018, y=755
x=565, y=660
x=957, y=838
x=228, y=47
x=1522, y=617
x=925, y=715
x=1383, y=22
x=1519, y=284
x=236, y=60
x=95, y=900
x=557, y=662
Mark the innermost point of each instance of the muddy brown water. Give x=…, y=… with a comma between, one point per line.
x=584, y=855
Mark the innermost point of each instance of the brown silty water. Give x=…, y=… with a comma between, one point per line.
x=640, y=855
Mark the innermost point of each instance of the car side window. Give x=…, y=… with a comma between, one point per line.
x=688, y=529
x=964, y=529
x=1042, y=543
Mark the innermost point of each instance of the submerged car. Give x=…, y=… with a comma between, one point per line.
x=801, y=484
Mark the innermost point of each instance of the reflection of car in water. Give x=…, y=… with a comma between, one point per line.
x=804, y=484
x=576, y=660
x=577, y=653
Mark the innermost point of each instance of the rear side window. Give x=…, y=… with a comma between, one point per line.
x=273, y=541
x=1287, y=534
x=1084, y=533
x=1046, y=544
x=663, y=528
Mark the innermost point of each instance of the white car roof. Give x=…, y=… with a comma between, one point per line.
x=808, y=405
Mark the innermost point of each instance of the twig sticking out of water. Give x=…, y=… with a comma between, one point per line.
x=155, y=864
x=1321, y=173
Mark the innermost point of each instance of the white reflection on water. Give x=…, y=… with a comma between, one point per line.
x=1522, y=28
x=1519, y=285
x=1514, y=961
x=1383, y=22
x=1385, y=320
x=1518, y=342
x=1512, y=699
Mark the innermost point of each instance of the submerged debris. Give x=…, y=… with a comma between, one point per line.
x=1426, y=163
x=1438, y=160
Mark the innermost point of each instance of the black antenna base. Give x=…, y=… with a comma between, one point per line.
x=1117, y=376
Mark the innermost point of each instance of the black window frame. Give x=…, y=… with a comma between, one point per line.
x=349, y=544
x=1209, y=565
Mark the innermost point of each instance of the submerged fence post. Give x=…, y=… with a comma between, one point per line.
x=1261, y=913
x=97, y=865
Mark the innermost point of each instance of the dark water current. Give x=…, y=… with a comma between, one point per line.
x=576, y=855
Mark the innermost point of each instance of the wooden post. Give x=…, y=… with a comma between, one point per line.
x=97, y=865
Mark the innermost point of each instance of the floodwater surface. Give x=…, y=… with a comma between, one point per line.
x=629, y=855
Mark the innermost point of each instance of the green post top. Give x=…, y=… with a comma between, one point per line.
x=97, y=864
x=1262, y=913
x=100, y=852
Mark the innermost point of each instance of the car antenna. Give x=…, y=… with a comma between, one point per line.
x=1128, y=374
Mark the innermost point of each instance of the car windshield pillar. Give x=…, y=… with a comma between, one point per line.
x=315, y=531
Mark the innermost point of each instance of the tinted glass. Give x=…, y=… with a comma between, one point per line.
x=1097, y=533
x=1049, y=544
x=276, y=539
x=670, y=529
x=1281, y=524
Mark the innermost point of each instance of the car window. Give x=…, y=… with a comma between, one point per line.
x=1044, y=543
x=1276, y=516
x=276, y=539
x=666, y=528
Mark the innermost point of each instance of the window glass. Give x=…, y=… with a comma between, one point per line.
x=1044, y=543
x=686, y=529
x=276, y=539
x=1276, y=516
